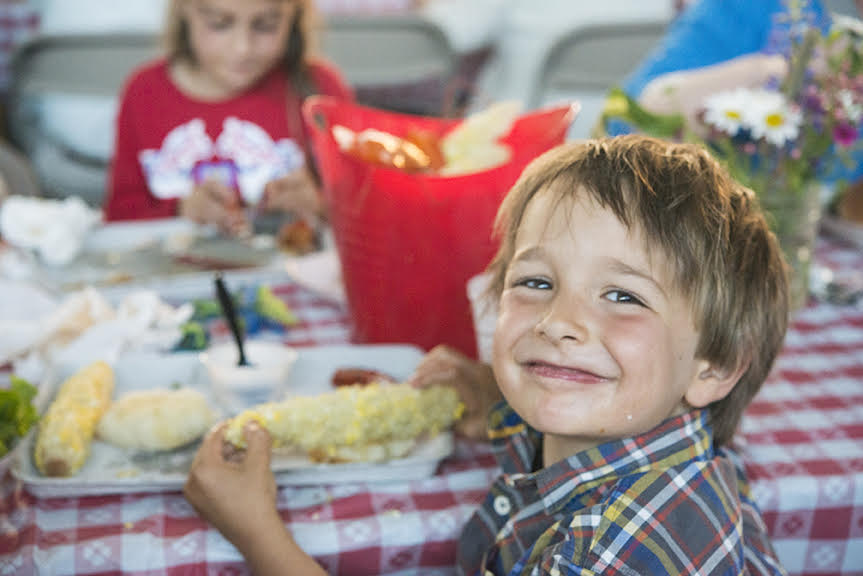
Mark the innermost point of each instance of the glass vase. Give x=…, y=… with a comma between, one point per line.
x=793, y=216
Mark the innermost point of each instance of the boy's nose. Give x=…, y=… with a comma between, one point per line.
x=565, y=319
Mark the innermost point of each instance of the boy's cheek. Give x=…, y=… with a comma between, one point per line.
x=516, y=312
x=508, y=329
x=501, y=355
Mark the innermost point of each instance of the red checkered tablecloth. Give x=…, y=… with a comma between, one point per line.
x=802, y=442
x=803, y=435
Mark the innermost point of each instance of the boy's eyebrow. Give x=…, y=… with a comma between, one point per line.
x=622, y=267
x=531, y=253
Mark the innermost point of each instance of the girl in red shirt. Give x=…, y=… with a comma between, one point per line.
x=216, y=123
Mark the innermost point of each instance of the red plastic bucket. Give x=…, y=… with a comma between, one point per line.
x=408, y=243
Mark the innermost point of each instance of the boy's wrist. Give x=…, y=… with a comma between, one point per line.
x=259, y=532
x=270, y=549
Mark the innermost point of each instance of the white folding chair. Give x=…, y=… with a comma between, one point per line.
x=401, y=61
x=585, y=62
x=63, y=101
x=65, y=84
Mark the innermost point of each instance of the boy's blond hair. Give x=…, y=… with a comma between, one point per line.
x=724, y=259
x=300, y=46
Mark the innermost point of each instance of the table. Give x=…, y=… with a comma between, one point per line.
x=802, y=442
x=803, y=435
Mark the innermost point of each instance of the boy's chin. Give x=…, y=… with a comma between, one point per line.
x=579, y=438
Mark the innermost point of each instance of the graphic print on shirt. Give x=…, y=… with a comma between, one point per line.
x=243, y=150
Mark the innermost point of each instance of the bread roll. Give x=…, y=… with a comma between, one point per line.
x=66, y=430
x=151, y=420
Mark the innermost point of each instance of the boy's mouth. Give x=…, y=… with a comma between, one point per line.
x=557, y=372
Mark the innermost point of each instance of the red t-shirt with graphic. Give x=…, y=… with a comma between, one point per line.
x=166, y=141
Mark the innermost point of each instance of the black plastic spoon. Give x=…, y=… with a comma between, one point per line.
x=227, y=305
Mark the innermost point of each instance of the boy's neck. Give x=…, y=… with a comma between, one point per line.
x=555, y=448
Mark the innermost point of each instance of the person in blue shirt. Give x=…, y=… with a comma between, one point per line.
x=716, y=45
x=711, y=32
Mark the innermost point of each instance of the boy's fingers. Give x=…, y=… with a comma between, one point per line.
x=258, y=445
x=211, y=447
x=437, y=375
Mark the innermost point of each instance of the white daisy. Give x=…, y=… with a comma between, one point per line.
x=724, y=110
x=852, y=109
x=768, y=115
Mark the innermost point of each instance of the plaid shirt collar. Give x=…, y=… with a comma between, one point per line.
x=678, y=440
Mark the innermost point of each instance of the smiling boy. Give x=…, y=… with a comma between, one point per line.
x=642, y=301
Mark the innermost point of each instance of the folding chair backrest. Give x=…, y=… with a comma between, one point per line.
x=386, y=49
x=62, y=17
x=397, y=61
x=81, y=64
x=584, y=63
x=63, y=102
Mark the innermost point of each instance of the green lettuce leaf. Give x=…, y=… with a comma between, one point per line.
x=17, y=412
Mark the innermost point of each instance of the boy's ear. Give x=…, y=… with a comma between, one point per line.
x=713, y=383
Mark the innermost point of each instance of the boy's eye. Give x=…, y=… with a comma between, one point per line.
x=534, y=283
x=622, y=297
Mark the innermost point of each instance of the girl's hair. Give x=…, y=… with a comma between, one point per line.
x=300, y=42
x=724, y=259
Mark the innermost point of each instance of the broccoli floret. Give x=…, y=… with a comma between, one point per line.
x=194, y=337
x=205, y=309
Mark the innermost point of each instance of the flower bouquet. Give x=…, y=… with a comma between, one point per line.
x=780, y=140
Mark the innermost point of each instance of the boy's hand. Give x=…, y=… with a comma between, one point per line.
x=213, y=202
x=236, y=494
x=474, y=381
x=295, y=192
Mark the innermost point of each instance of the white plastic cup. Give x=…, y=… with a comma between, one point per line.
x=240, y=387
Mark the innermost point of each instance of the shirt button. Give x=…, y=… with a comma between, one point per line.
x=502, y=505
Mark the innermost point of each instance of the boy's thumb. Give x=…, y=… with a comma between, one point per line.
x=258, y=445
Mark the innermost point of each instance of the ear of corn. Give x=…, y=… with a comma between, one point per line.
x=66, y=430
x=358, y=420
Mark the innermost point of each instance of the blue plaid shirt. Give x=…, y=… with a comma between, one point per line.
x=660, y=503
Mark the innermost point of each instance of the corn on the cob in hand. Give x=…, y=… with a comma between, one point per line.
x=66, y=430
x=354, y=423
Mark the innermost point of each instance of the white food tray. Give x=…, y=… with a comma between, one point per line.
x=111, y=470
